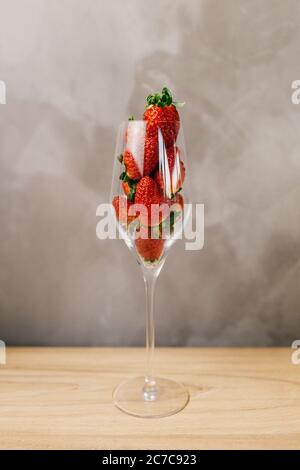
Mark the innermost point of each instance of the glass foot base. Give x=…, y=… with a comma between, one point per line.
x=167, y=397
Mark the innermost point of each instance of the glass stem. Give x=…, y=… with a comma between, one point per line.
x=150, y=389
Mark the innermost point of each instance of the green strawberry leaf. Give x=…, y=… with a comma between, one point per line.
x=130, y=181
x=131, y=194
x=163, y=99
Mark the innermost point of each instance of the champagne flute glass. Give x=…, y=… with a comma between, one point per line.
x=150, y=196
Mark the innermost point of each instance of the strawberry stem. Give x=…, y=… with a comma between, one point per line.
x=163, y=99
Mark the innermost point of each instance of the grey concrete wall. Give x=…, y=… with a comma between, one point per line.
x=74, y=69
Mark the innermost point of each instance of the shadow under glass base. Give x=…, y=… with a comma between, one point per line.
x=169, y=398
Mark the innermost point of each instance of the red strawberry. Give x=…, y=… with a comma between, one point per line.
x=141, y=153
x=170, y=176
x=162, y=113
x=147, y=194
x=150, y=155
x=122, y=206
x=150, y=249
x=133, y=170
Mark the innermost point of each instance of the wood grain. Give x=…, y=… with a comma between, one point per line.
x=61, y=398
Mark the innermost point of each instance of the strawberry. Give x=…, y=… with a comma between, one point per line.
x=133, y=170
x=150, y=249
x=141, y=153
x=122, y=206
x=170, y=176
x=150, y=155
x=161, y=113
x=146, y=191
x=147, y=194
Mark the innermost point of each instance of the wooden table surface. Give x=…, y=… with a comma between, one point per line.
x=61, y=398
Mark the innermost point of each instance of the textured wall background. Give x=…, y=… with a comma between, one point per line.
x=73, y=71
